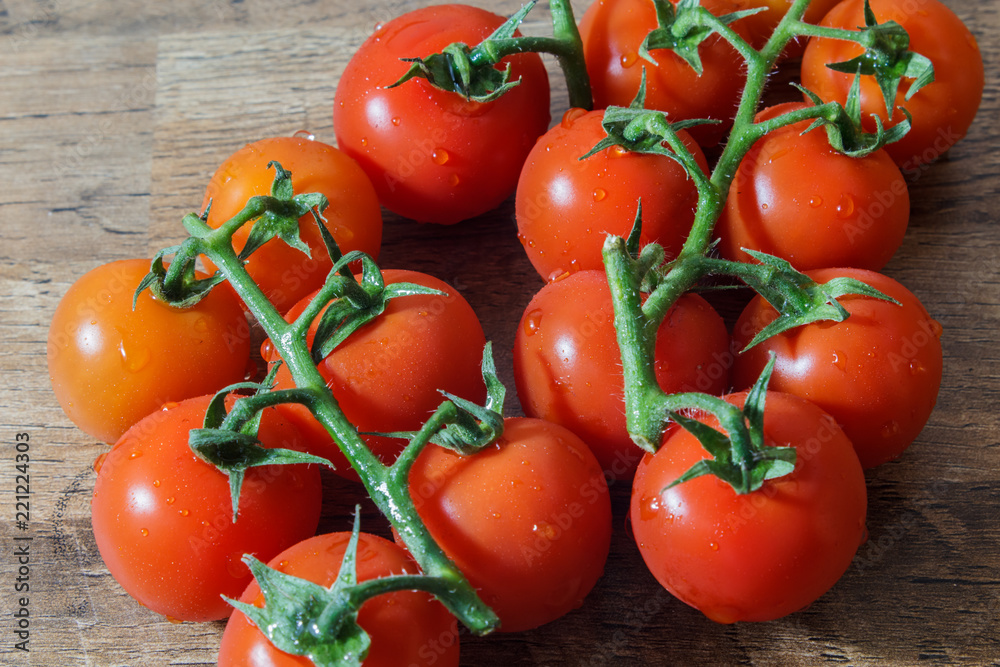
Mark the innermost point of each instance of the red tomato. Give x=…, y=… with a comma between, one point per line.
x=388, y=375
x=762, y=555
x=527, y=520
x=568, y=369
x=353, y=217
x=942, y=111
x=797, y=198
x=432, y=155
x=111, y=366
x=613, y=30
x=405, y=628
x=878, y=372
x=163, y=518
x=759, y=27
x=566, y=206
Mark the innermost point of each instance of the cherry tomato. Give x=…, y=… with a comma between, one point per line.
x=163, y=518
x=568, y=369
x=765, y=554
x=405, y=628
x=432, y=155
x=797, y=198
x=942, y=111
x=110, y=366
x=527, y=520
x=566, y=206
x=877, y=372
x=354, y=217
x=613, y=30
x=760, y=26
x=388, y=375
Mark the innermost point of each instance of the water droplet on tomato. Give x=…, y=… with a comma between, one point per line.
x=99, y=461
x=454, y=180
x=144, y=532
x=571, y=116
x=890, y=429
x=628, y=59
x=134, y=359
x=845, y=207
x=558, y=275
x=781, y=152
x=439, y=156
x=763, y=207
x=183, y=512
x=649, y=507
x=917, y=368
x=156, y=483
x=545, y=530
x=532, y=321
x=713, y=546
x=364, y=142
x=134, y=455
x=815, y=201
x=169, y=405
x=396, y=120
x=619, y=151
x=235, y=566
x=378, y=26
x=200, y=325
x=267, y=350
x=936, y=328
x=839, y=359
x=304, y=134
x=600, y=194
x=171, y=619
x=170, y=500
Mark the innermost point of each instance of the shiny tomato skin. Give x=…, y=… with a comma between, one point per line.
x=406, y=628
x=110, y=366
x=432, y=155
x=877, y=373
x=763, y=555
x=388, y=375
x=568, y=370
x=162, y=517
x=566, y=207
x=613, y=30
x=353, y=217
x=942, y=111
x=797, y=198
x=527, y=520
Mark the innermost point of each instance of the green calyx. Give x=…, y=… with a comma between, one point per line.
x=303, y=618
x=740, y=457
x=281, y=216
x=843, y=128
x=640, y=130
x=683, y=28
x=470, y=72
x=355, y=303
x=229, y=441
x=798, y=299
x=888, y=58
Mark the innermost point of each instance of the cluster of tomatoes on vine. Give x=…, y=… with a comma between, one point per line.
x=746, y=505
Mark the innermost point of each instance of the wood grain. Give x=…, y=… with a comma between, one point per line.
x=112, y=117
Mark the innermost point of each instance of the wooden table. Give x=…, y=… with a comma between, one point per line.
x=112, y=117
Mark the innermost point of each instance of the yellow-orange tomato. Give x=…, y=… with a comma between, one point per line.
x=110, y=365
x=353, y=217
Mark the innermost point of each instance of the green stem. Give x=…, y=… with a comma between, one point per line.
x=565, y=44
x=389, y=492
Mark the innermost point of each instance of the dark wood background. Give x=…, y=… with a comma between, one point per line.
x=113, y=115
